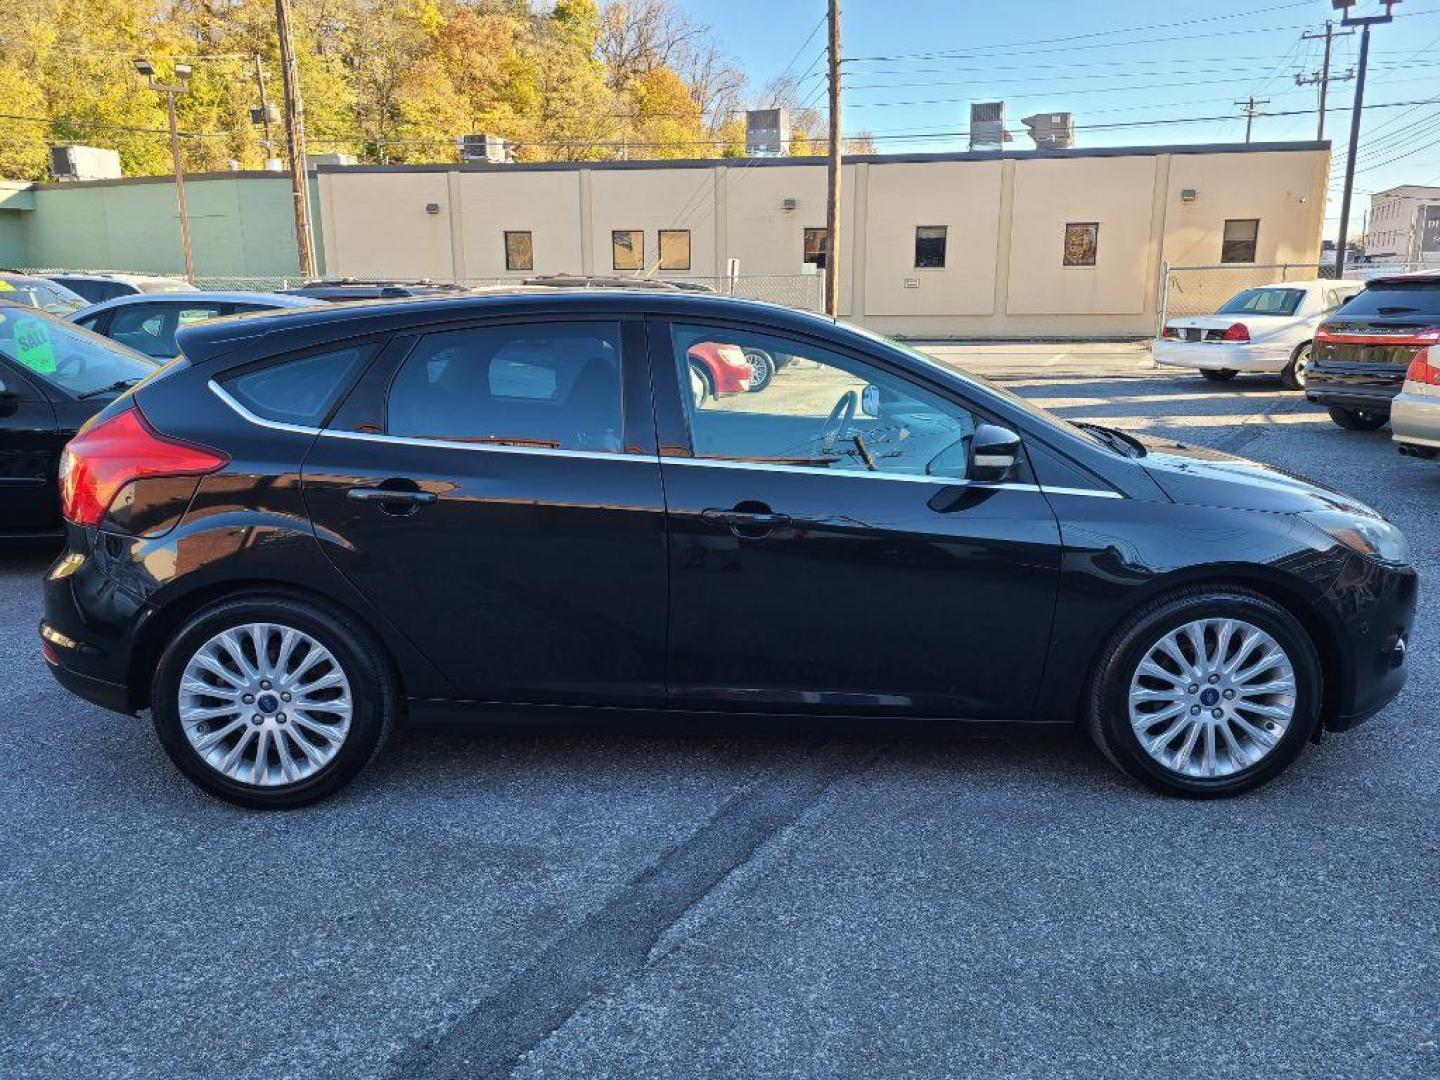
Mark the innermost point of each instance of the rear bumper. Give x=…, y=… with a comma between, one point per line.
x=1349, y=395
x=108, y=695
x=85, y=634
x=1222, y=356
x=1415, y=419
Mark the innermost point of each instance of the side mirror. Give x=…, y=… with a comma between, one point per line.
x=870, y=400
x=993, y=453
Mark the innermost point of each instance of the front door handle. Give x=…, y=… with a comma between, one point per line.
x=745, y=518
x=397, y=497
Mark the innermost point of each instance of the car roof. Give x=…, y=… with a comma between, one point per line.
x=190, y=296
x=1418, y=277
x=265, y=333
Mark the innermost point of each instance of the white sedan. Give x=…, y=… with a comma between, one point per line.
x=1265, y=330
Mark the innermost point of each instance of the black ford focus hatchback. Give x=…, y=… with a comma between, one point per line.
x=319, y=522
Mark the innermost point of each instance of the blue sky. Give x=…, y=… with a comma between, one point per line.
x=1128, y=70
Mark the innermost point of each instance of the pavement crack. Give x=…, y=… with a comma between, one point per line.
x=613, y=945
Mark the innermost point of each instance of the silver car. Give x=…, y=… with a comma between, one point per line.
x=1415, y=414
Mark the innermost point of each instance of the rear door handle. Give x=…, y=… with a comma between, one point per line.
x=745, y=517
x=390, y=495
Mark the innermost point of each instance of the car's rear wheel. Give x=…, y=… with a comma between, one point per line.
x=272, y=702
x=1207, y=693
x=1218, y=374
x=1292, y=377
x=1359, y=419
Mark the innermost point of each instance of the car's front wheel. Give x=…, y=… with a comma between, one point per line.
x=270, y=701
x=1359, y=419
x=762, y=368
x=1218, y=374
x=1207, y=693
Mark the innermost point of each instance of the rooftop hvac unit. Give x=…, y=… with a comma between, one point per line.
x=336, y=158
x=987, y=125
x=489, y=148
x=84, y=163
x=1051, y=131
x=767, y=133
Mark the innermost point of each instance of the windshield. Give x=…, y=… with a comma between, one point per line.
x=45, y=295
x=1394, y=298
x=1264, y=302
x=66, y=356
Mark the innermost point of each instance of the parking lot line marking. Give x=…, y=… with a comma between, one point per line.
x=610, y=948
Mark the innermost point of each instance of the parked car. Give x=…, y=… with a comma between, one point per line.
x=96, y=288
x=147, y=322
x=53, y=377
x=1415, y=413
x=613, y=281
x=1266, y=329
x=38, y=292
x=345, y=289
x=718, y=370
x=1362, y=351
x=319, y=521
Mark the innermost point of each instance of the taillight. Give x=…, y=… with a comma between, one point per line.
x=1422, y=371
x=1322, y=333
x=99, y=462
x=1171, y=333
x=1237, y=332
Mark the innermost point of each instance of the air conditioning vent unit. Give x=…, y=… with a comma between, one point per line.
x=767, y=133
x=488, y=148
x=84, y=163
x=1051, y=131
x=987, y=125
x=789, y=203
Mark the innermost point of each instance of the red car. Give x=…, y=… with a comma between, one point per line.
x=717, y=370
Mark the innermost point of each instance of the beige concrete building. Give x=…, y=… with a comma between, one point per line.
x=1394, y=213
x=1063, y=243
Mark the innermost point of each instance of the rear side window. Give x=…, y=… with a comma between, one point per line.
x=299, y=391
x=546, y=385
x=1395, y=300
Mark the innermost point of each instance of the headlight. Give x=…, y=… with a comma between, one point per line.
x=1369, y=536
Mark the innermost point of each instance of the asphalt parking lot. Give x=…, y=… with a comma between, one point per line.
x=741, y=903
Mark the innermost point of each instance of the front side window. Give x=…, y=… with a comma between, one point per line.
x=815, y=247
x=627, y=249
x=1238, y=243
x=544, y=385
x=674, y=249
x=299, y=391
x=1082, y=243
x=929, y=246
x=519, y=250
x=66, y=356
x=822, y=410
x=1264, y=302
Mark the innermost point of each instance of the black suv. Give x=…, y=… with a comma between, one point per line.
x=1361, y=352
x=323, y=520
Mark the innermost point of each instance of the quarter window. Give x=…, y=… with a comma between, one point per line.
x=1238, y=243
x=1082, y=243
x=674, y=249
x=544, y=385
x=929, y=246
x=519, y=250
x=816, y=245
x=821, y=410
x=299, y=391
x=627, y=249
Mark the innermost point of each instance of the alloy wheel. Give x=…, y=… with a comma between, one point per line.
x=1213, y=697
x=265, y=704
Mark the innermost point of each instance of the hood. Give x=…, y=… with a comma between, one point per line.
x=1198, y=476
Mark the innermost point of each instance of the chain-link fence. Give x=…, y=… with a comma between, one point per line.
x=803, y=291
x=1200, y=290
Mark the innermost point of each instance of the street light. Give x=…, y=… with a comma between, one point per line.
x=170, y=90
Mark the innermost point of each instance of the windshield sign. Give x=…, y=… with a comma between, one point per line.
x=66, y=356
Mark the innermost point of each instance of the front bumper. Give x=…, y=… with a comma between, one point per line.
x=1380, y=603
x=1222, y=356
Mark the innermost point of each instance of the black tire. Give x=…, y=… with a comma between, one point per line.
x=1293, y=375
x=1218, y=374
x=762, y=369
x=1359, y=419
x=707, y=384
x=782, y=360
x=1108, y=704
x=373, y=690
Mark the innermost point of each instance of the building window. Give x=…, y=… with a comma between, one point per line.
x=1082, y=243
x=929, y=246
x=627, y=249
x=519, y=251
x=1238, y=245
x=674, y=249
x=816, y=245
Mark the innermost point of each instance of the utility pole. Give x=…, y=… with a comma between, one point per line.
x=295, y=137
x=1323, y=77
x=1364, y=22
x=170, y=90
x=264, y=105
x=832, y=198
x=1251, y=110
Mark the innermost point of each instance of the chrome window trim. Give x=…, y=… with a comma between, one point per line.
x=598, y=455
